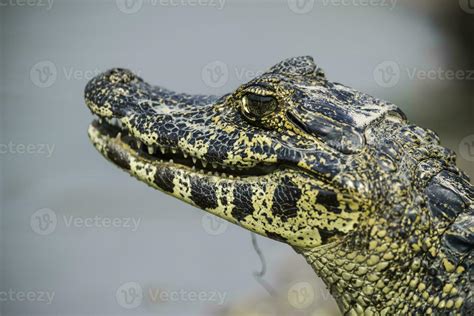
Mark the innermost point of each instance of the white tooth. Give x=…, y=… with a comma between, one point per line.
x=193, y=167
x=194, y=159
x=214, y=165
x=162, y=149
x=101, y=120
x=209, y=173
x=119, y=134
x=185, y=155
x=171, y=160
x=173, y=150
x=139, y=143
x=204, y=163
x=231, y=176
x=151, y=150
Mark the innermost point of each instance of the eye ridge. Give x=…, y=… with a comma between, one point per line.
x=256, y=106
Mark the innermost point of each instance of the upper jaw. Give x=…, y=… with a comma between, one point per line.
x=113, y=129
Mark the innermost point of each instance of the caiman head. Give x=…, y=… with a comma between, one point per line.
x=288, y=155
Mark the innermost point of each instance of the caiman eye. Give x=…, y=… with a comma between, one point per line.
x=256, y=106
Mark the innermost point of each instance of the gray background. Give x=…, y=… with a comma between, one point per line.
x=174, y=248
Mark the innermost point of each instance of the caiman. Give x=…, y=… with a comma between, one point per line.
x=374, y=203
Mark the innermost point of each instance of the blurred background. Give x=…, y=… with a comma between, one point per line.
x=80, y=237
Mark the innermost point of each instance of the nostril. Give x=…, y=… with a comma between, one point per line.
x=120, y=75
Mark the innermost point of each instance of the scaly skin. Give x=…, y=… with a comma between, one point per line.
x=375, y=204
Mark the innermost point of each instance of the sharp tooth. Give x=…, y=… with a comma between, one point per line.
x=194, y=160
x=185, y=155
x=209, y=173
x=162, y=149
x=101, y=120
x=151, y=150
x=214, y=165
x=119, y=134
x=139, y=143
x=231, y=176
x=193, y=167
x=173, y=150
x=204, y=163
x=171, y=160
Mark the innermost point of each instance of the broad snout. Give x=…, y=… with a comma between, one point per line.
x=114, y=92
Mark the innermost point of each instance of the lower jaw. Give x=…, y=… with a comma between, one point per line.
x=219, y=195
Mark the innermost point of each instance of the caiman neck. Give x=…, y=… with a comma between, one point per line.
x=387, y=277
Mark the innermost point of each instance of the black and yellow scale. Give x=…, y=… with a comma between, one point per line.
x=375, y=204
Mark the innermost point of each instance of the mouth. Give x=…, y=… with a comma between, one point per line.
x=113, y=129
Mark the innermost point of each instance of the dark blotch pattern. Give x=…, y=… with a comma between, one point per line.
x=285, y=198
x=242, y=201
x=164, y=180
x=203, y=194
x=119, y=159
